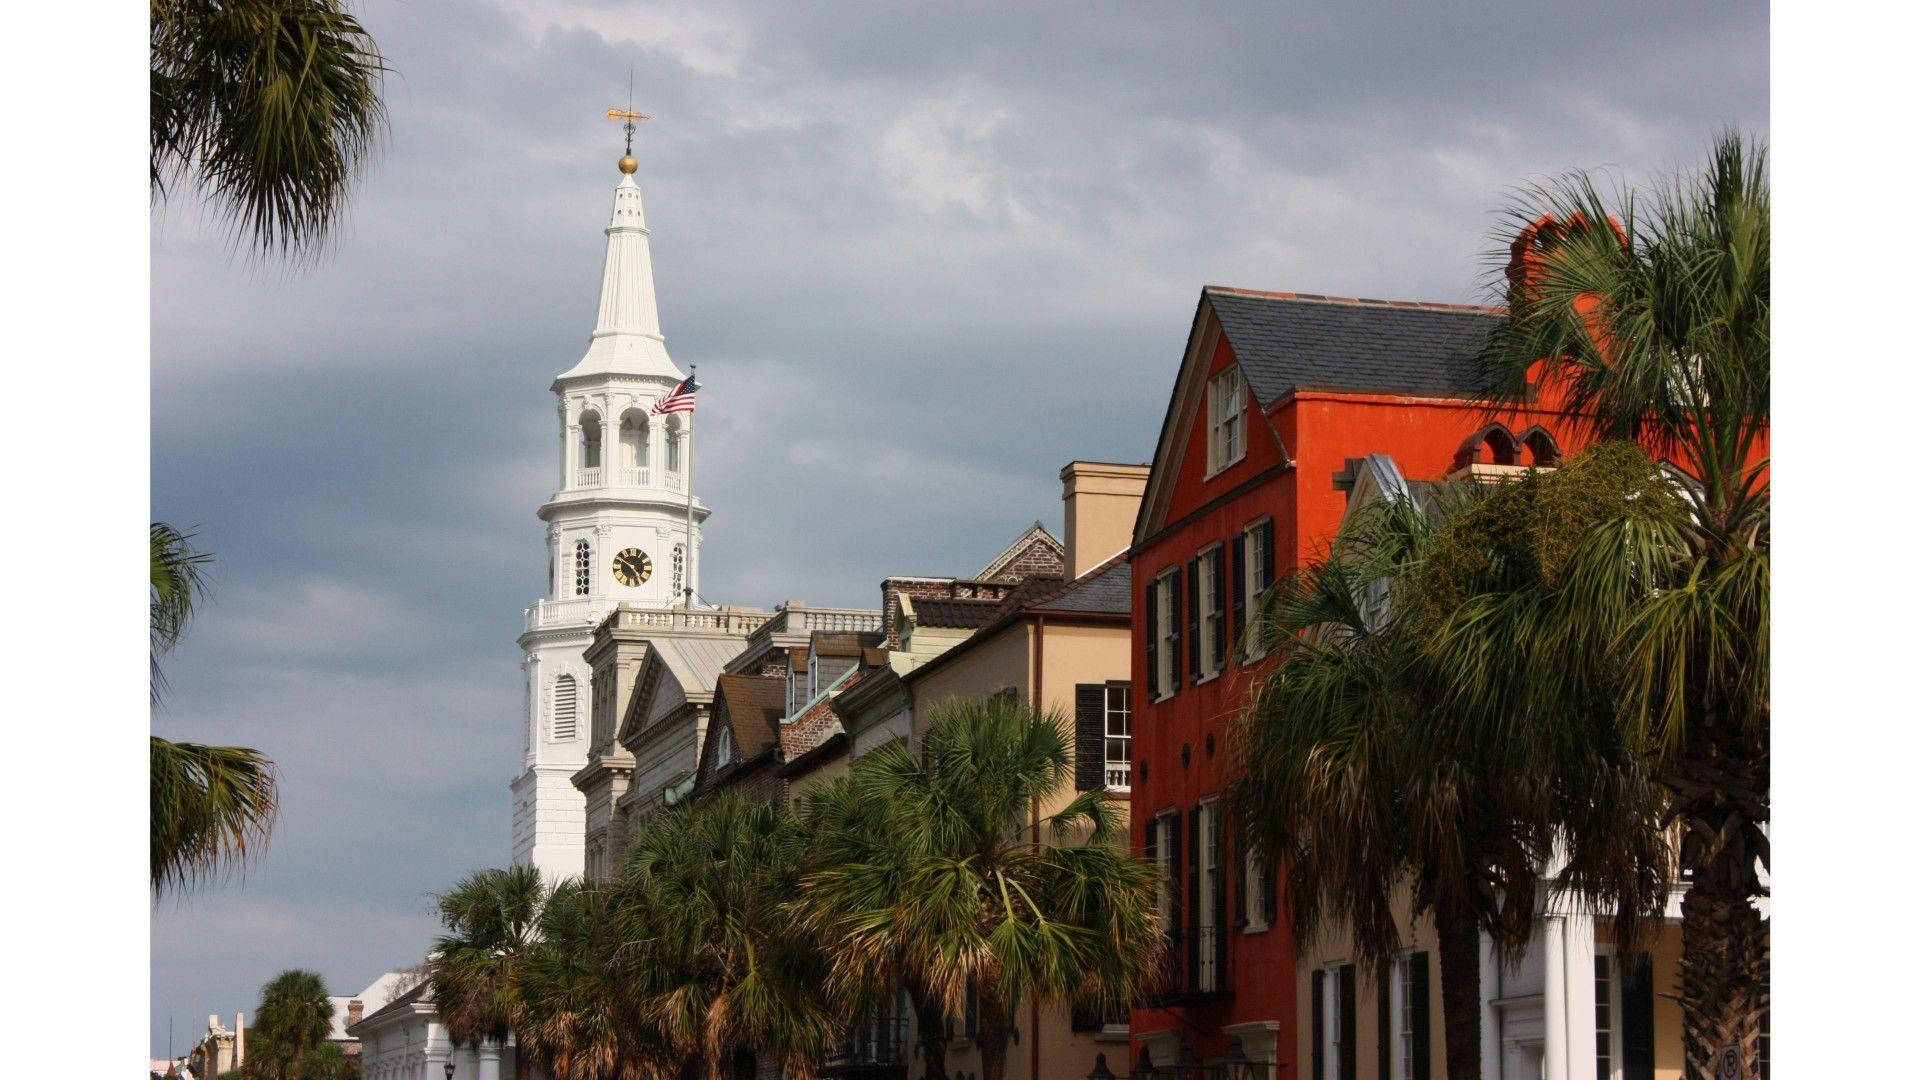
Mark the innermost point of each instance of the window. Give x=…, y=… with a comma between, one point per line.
x=673, y=444
x=679, y=571
x=1119, y=737
x=565, y=698
x=1226, y=420
x=1335, y=1053
x=1210, y=571
x=1403, y=1018
x=1252, y=574
x=723, y=745
x=1259, y=890
x=1163, y=851
x=590, y=441
x=582, y=568
x=1212, y=900
x=1168, y=624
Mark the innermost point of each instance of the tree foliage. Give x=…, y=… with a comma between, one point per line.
x=290, y=1024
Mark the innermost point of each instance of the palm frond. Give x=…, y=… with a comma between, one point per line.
x=212, y=809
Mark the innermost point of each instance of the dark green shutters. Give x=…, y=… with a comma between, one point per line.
x=1239, y=570
x=1089, y=736
x=1193, y=618
x=1217, y=609
x=1422, y=1016
x=1636, y=1018
x=1349, y=1005
x=1153, y=640
x=1194, y=840
x=1319, y=991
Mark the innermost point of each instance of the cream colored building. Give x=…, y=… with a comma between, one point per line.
x=1063, y=644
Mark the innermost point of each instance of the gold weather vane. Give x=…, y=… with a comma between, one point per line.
x=628, y=118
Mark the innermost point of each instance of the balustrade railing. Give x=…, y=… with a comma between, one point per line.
x=632, y=477
x=590, y=477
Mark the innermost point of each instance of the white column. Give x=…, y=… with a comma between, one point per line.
x=571, y=463
x=1490, y=1034
x=489, y=1068
x=1554, y=1013
x=1579, y=970
x=469, y=1064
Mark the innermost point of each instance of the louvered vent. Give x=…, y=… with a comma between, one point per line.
x=564, y=695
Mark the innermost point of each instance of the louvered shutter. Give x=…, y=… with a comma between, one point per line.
x=1193, y=618
x=1217, y=615
x=1349, y=1004
x=1153, y=640
x=1243, y=865
x=1319, y=1024
x=1422, y=1018
x=1636, y=1019
x=1240, y=591
x=1173, y=644
x=1193, y=897
x=1152, y=849
x=1218, y=841
x=1090, y=736
x=1383, y=1022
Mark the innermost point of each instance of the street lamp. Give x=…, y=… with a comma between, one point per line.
x=1239, y=1065
x=1100, y=1070
x=449, y=1070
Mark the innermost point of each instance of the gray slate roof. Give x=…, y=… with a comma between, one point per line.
x=1107, y=591
x=1296, y=341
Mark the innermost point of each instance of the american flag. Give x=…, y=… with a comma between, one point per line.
x=679, y=399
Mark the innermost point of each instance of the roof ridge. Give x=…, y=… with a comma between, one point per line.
x=1358, y=301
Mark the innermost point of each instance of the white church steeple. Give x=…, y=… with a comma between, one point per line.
x=626, y=333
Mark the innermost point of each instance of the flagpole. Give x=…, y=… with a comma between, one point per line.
x=687, y=597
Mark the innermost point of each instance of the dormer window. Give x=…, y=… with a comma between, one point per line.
x=1226, y=420
x=723, y=747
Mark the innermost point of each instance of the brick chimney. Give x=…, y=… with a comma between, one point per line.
x=355, y=1009
x=1102, y=500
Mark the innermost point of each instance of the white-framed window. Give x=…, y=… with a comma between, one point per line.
x=566, y=705
x=1168, y=660
x=1213, y=610
x=1259, y=880
x=1226, y=420
x=679, y=571
x=1256, y=559
x=582, y=568
x=1119, y=737
x=1331, y=1022
x=1163, y=842
x=723, y=746
x=1212, y=881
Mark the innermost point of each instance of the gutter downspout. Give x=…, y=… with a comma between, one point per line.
x=1039, y=703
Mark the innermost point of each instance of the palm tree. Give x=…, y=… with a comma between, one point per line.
x=578, y=1014
x=293, y=1018
x=1655, y=312
x=491, y=918
x=707, y=946
x=211, y=806
x=1366, y=778
x=974, y=890
x=270, y=108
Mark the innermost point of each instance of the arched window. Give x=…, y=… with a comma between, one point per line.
x=566, y=700
x=635, y=434
x=679, y=571
x=1541, y=449
x=1491, y=445
x=582, y=568
x=590, y=440
x=673, y=444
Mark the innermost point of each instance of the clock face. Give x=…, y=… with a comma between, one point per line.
x=632, y=567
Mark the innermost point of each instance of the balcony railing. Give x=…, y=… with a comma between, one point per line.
x=631, y=477
x=1196, y=972
x=590, y=477
x=876, y=1043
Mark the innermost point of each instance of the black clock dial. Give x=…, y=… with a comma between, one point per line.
x=632, y=567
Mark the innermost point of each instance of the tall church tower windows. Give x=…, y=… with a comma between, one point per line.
x=673, y=445
x=582, y=568
x=635, y=446
x=679, y=571
x=566, y=701
x=590, y=449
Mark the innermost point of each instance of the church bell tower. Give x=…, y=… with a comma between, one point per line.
x=623, y=527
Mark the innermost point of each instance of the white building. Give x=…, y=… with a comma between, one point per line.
x=622, y=528
x=404, y=1040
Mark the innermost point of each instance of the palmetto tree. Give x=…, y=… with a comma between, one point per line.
x=972, y=888
x=210, y=806
x=578, y=1014
x=491, y=918
x=1358, y=777
x=293, y=1018
x=707, y=947
x=1658, y=331
x=270, y=108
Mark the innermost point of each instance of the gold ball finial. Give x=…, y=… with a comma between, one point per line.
x=628, y=165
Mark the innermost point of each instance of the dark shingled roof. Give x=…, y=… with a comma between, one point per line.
x=755, y=704
x=840, y=643
x=1108, y=590
x=965, y=613
x=1295, y=341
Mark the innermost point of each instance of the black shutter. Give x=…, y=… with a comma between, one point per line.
x=1383, y=1022
x=1193, y=618
x=1090, y=736
x=1152, y=850
x=1242, y=864
x=1193, y=898
x=1153, y=640
x=1240, y=590
x=1349, y=1004
x=1218, y=843
x=1636, y=1019
x=1319, y=1024
x=1218, y=616
x=1422, y=1017
x=1173, y=641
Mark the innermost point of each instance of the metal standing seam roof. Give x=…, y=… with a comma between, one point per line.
x=1287, y=342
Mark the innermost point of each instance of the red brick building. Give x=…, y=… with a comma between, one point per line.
x=1278, y=398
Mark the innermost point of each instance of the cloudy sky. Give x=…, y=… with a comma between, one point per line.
x=923, y=256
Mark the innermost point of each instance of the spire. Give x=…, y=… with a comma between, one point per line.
x=626, y=335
